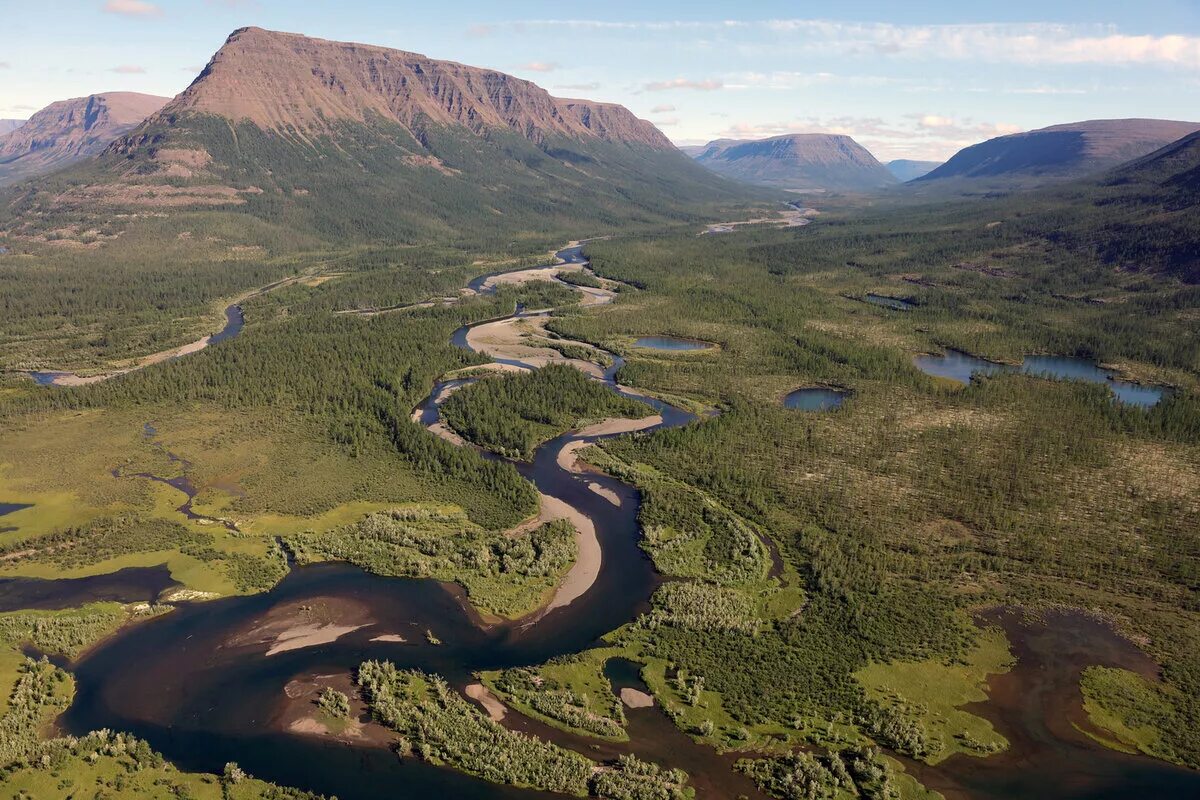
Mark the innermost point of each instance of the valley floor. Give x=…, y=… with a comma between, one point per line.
x=852, y=602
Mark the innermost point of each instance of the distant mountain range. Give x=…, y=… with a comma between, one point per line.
x=798, y=162
x=354, y=141
x=907, y=170
x=7, y=126
x=1062, y=151
x=69, y=131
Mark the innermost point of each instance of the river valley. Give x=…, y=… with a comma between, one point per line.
x=208, y=683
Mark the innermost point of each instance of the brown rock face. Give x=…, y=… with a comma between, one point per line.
x=291, y=83
x=71, y=130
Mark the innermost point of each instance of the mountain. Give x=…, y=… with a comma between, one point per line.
x=1175, y=168
x=906, y=170
x=808, y=161
x=352, y=142
x=7, y=126
x=68, y=131
x=1062, y=151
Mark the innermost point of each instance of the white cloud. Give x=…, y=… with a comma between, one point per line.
x=578, y=87
x=5, y=65
x=132, y=8
x=540, y=66
x=683, y=83
x=1026, y=43
x=1045, y=90
x=129, y=69
x=667, y=123
x=665, y=108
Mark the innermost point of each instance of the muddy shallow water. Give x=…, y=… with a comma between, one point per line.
x=1038, y=707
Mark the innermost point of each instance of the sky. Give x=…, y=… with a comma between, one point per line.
x=907, y=80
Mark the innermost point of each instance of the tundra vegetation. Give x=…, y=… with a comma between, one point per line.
x=503, y=575
x=438, y=725
x=918, y=500
x=842, y=553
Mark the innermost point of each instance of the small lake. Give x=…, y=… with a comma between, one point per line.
x=959, y=366
x=893, y=303
x=12, y=508
x=671, y=343
x=814, y=398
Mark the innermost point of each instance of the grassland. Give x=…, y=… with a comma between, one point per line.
x=933, y=694
x=1131, y=712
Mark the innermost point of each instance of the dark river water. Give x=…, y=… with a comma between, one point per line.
x=201, y=690
x=235, y=321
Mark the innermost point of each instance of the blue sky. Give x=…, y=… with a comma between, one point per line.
x=907, y=80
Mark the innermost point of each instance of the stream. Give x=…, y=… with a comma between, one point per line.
x=198, y=685
x=217, y=699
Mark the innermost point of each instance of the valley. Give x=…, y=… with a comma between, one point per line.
x=376, y=425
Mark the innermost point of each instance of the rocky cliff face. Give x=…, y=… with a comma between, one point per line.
x=70, y=130
x=298, y=86
x=1063, y=151
x=359, y=143
x=798, y=161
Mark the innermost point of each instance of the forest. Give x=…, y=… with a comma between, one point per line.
x=838, y=552
x=513, y=414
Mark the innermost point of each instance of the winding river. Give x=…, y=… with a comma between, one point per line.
x=199, y=685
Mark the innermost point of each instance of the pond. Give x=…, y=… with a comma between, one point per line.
x=12, y=508
x=894, y=303
x=671, y=343
x=814, y=398
x=960, y=366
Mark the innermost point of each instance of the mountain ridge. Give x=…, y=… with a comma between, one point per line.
x=798, y=162
x=906, y=169
x=68, y=131
x=288, y=82
x=356, y=142
x=1067, y=150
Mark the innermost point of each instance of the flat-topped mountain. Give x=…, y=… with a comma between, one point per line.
x=806, y=161
x=71, y=130
x=288, y=82
x=353, y=141
x=1063, y=151
x=906, y=169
